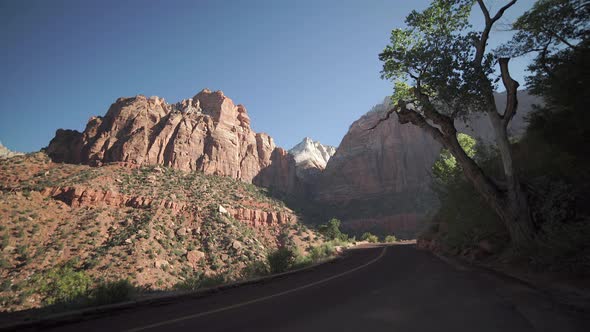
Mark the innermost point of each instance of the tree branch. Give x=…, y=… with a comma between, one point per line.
x=502, y=10
x=511, y=89
x=387, y=116
x=409, y=116
x=480, y=47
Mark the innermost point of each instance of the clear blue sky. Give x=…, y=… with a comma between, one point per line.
x=302, y=68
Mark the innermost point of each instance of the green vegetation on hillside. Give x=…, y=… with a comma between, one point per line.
x=77, y=235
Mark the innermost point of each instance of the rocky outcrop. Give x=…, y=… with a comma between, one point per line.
x=390, y=158
x=206, y=133
x=262, y=218
x=380, y=179
x=79, y=196
x=311, y=156
x=7, y=153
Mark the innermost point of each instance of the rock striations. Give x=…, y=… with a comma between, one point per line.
x=207, y=133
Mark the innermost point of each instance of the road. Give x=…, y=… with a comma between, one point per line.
x=395, y=288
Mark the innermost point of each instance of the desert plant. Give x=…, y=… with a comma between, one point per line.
x=390, y=239
x=112, y=292
x=369, y=237
x=62, y=284
x=255, y=269
x=281, y=260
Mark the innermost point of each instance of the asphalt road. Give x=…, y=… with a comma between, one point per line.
x=396, y=288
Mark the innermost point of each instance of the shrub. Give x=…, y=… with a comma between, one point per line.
x=62, y=285
x=255, y=269
x=320, y=252
x=390, y=239
x=199, y=280
x=369, y=237
x=281, y=260
x=562, y=247
x=331, y=230
x=112, y=292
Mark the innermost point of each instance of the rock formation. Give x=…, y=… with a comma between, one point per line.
x=206, y=133
x=7, y=153
x=311, y=156
x=380, y=179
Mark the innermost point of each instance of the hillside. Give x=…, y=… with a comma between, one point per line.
x=153, y=225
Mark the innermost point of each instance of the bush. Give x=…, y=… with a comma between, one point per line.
x=369, y=237
x=198, y=281
x=255, y=269
x=112, y=292
x=562, y=247
x=331, y=230
x=320, y=252
x=281, y=260
x=62, y=285
x=390, y=239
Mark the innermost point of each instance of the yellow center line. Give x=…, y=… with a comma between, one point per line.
x=237, y=305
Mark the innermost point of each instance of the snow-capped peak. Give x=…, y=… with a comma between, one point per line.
x=309, y=153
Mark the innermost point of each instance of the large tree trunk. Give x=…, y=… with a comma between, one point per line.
x=516, y=214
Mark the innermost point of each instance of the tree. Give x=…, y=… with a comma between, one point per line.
x=331, y=230
x=369, y=237
x=552, y=29
x=442, y=72
x=558, y=32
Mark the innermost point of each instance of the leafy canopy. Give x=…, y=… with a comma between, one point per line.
x=435, y=54
x=445, y=168
x=331, y=230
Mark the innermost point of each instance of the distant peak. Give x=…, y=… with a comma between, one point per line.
x=310, y=153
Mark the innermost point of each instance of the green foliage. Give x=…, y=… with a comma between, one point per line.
x=390, y=239
x=323, y=251
x=112, y=292
x=464, y=218
x=256, y=269
x=369, y=237
x=445, y=168
x=198, y=281
x=281, y=260
x=547, y=27
x=5, y=241
x=62, y=284
x=331, y=230
x=435, y=52
x=562, y=247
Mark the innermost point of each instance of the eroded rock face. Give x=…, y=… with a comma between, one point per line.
x=379, y=179
x=206, y=133
x=390, y=158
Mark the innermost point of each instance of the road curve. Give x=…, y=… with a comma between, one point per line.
x=396, y=288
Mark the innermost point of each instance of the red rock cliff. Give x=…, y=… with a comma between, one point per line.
x=206, y=133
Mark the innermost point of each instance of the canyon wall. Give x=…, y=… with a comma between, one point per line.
x=379, y=179
x=207, y=133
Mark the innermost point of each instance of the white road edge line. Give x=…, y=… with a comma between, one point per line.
x=237, y=305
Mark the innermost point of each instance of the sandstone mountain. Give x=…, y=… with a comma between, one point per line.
x=7, y=153
x=380, y=179
x=206, y=133
x=152, y=225
x=311, y=156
